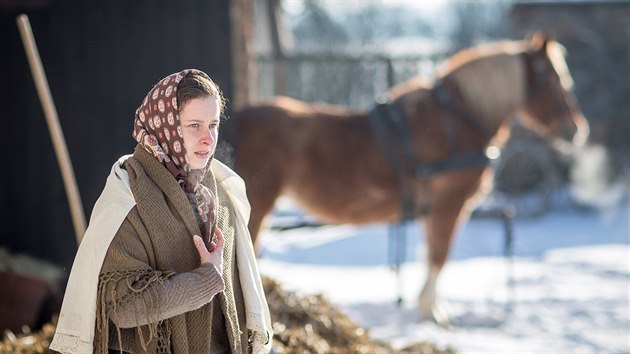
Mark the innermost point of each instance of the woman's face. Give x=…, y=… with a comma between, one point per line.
x=200, y=128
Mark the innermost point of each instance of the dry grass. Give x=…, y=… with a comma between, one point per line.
x=309, y=324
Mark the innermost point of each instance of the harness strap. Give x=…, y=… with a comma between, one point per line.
x=409, y=160
x=383, y=127
x=460, y=161
x=388, y=124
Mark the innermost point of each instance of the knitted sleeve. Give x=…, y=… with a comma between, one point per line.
x=133, y=294
x=176, y=295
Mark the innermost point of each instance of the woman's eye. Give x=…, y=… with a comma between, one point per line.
x=194, y=125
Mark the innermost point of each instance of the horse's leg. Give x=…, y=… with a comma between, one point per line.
x=262, y=194
x=440, y=226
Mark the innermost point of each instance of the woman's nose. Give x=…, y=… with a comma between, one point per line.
x=207, y=137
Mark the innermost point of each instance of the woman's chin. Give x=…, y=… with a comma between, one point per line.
x=198, y=166
x=197, y=163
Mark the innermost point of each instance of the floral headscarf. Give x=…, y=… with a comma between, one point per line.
x=158, y=129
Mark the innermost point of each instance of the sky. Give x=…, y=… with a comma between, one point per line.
x=570, y=276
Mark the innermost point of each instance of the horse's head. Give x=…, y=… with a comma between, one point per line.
x=551, y=107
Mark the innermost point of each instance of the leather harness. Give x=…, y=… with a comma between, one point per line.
x=392, y=131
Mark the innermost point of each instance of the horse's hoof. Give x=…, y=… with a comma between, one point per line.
x=441, y=319
x=435, y=313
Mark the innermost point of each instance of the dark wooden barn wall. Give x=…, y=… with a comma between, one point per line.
x=101, y=57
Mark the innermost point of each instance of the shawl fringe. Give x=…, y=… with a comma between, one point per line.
x=131, y=282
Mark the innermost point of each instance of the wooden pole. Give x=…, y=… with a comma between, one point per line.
x=56, y=134
x=241, y=23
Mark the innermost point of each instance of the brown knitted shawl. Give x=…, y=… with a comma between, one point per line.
x=154, y=243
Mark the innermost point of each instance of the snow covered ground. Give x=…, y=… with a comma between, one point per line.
x=570, y=272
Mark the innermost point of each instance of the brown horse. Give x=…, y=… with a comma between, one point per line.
x=331, y=161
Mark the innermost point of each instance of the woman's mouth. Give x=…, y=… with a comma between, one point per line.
x=202, y=154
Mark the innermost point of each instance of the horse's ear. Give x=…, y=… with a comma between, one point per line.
x=539, y=41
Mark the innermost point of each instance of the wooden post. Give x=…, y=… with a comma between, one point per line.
x=278, y=47
x=242, y=72
x=56, y=134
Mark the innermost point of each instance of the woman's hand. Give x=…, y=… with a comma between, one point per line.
x=215, y=255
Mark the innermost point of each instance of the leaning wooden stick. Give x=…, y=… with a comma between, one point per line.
x=59, y=142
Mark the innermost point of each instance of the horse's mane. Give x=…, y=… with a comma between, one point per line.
x=556, y=53
x=491, y=78
x=413, y=85
x=306, y=110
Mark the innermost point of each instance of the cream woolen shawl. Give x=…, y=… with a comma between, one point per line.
x=75, y=329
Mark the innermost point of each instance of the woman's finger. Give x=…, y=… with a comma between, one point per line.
x=201, y=248
x=219, y=238
x=198, y=242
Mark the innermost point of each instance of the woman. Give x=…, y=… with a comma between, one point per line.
x=166, y=265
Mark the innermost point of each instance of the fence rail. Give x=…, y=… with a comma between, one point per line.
x=353, y=81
